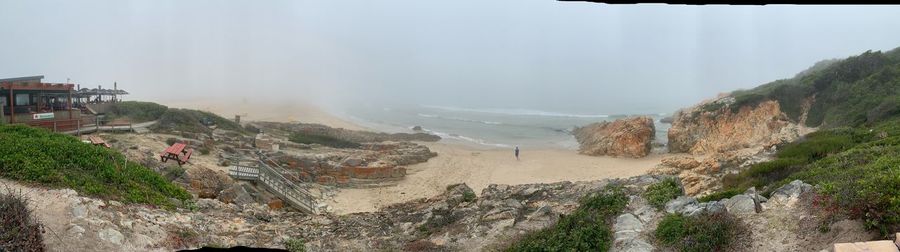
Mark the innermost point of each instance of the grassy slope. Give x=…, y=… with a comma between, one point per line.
x=171, y=119
x=57, y=160
x=849, y=92
x=136, y=111
x=585, y=229
x=855, y=159
x=195, y=121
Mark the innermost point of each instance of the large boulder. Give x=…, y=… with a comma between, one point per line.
x=236, y=194
x=205, y=182
x=741, y=204
x=629, y=137
x=789, y=194
x=715, y=126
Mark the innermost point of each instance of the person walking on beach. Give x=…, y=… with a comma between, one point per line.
x=517, y=153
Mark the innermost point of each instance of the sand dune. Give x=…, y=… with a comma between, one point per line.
x=479, y=168
x=273, y=111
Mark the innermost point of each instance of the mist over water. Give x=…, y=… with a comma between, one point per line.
x=489, y=127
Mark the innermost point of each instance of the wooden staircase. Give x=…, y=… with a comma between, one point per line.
x=259, y=171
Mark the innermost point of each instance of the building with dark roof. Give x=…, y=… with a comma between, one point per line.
x=28, y=100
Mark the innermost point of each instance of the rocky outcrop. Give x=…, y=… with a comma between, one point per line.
x=205, y=182
x=457, y=220
x=715, y=126
x=630, y=137
x=345, y=134
x=787, y=222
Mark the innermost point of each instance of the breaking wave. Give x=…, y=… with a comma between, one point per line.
x=518, y=112
x=460, y=119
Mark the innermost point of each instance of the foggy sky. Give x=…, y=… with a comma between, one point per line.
x=535, y=54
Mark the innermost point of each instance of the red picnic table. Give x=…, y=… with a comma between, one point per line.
x=177, y=152
x=95, y=140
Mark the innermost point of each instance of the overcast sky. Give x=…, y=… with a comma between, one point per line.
x=535, y=54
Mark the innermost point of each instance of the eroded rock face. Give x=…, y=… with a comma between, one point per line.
x=630, y=137
x=699, y=130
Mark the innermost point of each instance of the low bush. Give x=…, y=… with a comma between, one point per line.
x=704, y=232
x=468, y=196
x=194, y=121
x=716, y=196
x=21, y=231
x=854, y=168
x=307, y=138
x=585, y=229
x=794, y=157
x=56, y=160
x=862, y=182
x=173, y=172
x=136, y=111
x=664, y=191
x=295, y=245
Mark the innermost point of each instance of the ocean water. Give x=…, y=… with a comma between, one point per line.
x=489, y=127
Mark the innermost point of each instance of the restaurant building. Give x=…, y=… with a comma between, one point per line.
x=28, y=100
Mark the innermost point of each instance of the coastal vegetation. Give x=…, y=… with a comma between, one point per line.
x=194, y=121
x=39, y=156
x=863, y=89
x=295, y=245
x=585, y=229
x=704, y=232
x=854, y=168
x=661, y=192
x=21, y=230
x=312, y=138
x=172, y=119
x=136, y=111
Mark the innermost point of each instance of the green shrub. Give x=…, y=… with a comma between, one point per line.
x=585, y=229
x=170, y=141
x=704, y=232
x=468, y=196
x=295, y=245
x=848, y=92
x=57, y=160
x=308, y=138
x=173, y=172
x=854, y=168
x=862, y=182
x=136, y=111
x=252, y=129
x=660, y=193
x=204, y=150
x=21, y=230
x=795, y=157
x=194, y=121
x=724, y=194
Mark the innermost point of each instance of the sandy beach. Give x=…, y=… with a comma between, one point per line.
x=479, y=168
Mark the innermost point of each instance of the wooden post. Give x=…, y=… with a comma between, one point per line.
x=69, y=103
x=12, y=105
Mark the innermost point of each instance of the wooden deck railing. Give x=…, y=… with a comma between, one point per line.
x=273, y=181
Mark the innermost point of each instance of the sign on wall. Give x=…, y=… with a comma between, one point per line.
x=43, y=116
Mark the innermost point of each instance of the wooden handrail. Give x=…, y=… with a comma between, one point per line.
x=272, y=180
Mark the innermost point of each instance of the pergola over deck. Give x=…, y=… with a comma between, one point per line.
x=98, y=95
x=28, y=100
